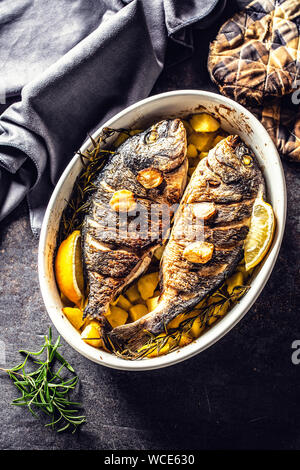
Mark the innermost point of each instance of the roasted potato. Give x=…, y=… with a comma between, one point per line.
x=204, y=122
x=116, y=316
x=92, y=334
x=147, y=285
x=137, y=311
x=152, y=303
x=74, y=315
x=133, y=294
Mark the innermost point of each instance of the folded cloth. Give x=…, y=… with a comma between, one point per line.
x=255, y=60
x=77, y=62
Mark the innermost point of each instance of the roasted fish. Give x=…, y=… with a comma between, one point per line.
x=126, y=220
x=207, y=239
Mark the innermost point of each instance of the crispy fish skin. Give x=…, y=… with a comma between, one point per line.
x=116, y=247
x=223, y=187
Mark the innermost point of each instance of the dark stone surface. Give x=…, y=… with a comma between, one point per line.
x=244, y=392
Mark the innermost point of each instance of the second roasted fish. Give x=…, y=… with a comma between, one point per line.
x=207, y=240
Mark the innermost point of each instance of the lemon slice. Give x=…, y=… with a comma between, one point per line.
x=68, y=268
x=260, y=233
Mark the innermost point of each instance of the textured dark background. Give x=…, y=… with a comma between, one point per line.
x=244, y=392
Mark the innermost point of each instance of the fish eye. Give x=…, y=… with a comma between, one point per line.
x=247, y=160
x=151, y=137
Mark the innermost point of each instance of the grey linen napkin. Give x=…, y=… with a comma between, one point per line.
x=76, y=63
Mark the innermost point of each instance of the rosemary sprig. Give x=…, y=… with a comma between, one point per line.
x=173, y=335
x=45, y=388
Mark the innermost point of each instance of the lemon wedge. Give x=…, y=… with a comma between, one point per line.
x=68, y=268
x=260, y=233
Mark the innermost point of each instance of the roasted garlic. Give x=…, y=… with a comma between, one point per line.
x=204, y=210
x=123, y=201
x=198, y=252
x=150, y=178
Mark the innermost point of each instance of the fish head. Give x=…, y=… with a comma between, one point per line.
x=166, y=143
x=234, y=161
x=162, y=146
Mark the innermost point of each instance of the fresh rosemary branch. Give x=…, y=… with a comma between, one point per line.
x=45, y=388
x=92, y=160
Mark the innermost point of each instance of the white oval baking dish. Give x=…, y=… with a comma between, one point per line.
x=235, y=119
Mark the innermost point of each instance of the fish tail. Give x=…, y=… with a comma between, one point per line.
x=133, y=336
